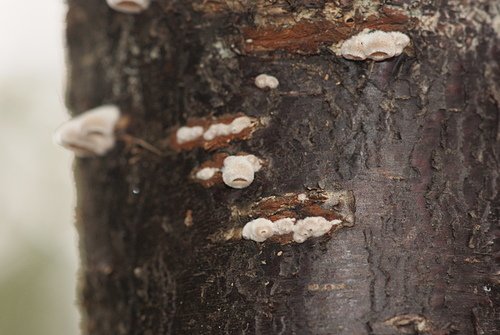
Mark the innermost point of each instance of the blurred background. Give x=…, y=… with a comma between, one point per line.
x=38, y=242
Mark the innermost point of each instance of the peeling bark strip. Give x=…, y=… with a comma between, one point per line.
x=308, y=36
x=339, y=205
x=415, y=138
x=330, y=205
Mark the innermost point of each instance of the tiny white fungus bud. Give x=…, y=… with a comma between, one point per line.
x=263, y=80
x=206, y=173
x=239, y=171
x=258, y=230
x=91, y=133
x=302, y=197
x=129, y=6
x=239, y=124
x=188, y=134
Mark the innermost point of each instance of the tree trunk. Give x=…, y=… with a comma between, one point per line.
x=414, y=138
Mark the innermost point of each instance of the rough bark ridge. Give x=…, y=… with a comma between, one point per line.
x=416, y=138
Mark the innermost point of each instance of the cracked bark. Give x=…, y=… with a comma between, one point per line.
x=416, y=138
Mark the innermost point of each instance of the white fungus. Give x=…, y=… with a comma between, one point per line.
x=221, y=129
x=129, y=6
x=188, y=134
x=239, y=171
x=258, y=230
x=91, y=133
x=261, y=229
x=376, y=45
x=314, y=226
x=263, y=80
x=302, y=197
x=206, y=173
x=283, y=226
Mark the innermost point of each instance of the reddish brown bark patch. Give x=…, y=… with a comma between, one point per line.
x=307, y=36
x=330, y=205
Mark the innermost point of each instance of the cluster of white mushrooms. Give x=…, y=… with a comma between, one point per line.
x=261, y=229
x=237, y=171
x=93, y=133
x=188, y=134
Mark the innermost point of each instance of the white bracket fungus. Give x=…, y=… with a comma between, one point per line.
x=91, y=133
x=258, y=230
x=212, y=133
x=376, y=45
x=129, y=6
x=314, y=226
x=261, y=229
x=239, y=171
x=263, y=80
x=188, y=134
x=222, y=129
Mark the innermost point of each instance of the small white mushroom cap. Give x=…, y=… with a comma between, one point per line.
x=283, y=226
x=129, y=6
x=206, y=173
x=91, y=133
x=188, y=134
x=258, y=230
x=377, y=45
x=239, y=171
x=264, y=80
x=313, y=226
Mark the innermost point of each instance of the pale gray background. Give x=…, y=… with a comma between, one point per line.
x=38, y=243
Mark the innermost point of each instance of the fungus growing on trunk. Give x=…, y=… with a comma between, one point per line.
x=263, y=80
x=129, y=6
x=376, y=45
x=239, y=171
x=91, y=133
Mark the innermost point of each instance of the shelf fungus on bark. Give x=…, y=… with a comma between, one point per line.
x=188, y=134
x=213, y=133
x=236, y=171
x=91, y=133
x=376, y=45
x=292, y=217
x=263, y=81
x=262, y=229
x=129, y=6
x=239, y=171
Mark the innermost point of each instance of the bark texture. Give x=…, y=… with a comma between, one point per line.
x=416, y=138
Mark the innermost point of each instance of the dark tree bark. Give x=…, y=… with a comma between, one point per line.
x=414, y=138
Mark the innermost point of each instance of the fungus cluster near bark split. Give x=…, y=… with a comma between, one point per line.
x=376, y=45
x=91, y=133
x=212, y=133
x=296, y=217
x=262, y=229
x=235, y=171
